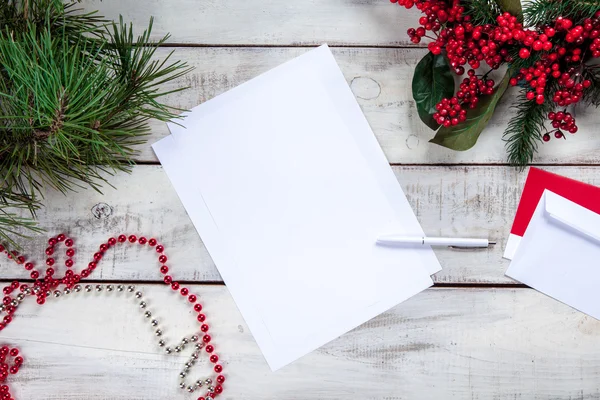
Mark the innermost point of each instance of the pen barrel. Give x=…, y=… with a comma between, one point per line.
x=458, y=242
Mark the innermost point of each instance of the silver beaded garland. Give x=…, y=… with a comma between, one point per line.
x=195, y=339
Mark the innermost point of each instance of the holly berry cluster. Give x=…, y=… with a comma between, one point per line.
x=450, y=112
x=464, y=43
x=562, y=62
x=556, y=50
x=561, y=120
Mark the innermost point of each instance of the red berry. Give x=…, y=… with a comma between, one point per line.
x=530, y=95
x=546, y=137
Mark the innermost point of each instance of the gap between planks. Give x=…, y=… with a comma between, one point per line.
x=436, y=285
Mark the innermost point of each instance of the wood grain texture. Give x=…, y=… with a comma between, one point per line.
x=449, y=201
x=381, y=82
x=441, y=344
x=267, y=22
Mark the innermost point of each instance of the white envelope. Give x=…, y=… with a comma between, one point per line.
x=560, y=252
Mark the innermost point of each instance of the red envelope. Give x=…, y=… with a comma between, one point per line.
x=584, y=194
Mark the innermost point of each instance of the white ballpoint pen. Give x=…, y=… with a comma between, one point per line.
x=397, y=240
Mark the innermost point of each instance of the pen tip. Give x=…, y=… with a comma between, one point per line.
x=491, y=243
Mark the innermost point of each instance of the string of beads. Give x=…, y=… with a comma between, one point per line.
x=52, y=287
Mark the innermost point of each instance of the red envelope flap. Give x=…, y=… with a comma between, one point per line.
x=584, y=194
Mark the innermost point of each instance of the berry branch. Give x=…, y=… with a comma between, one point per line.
x=549, y=60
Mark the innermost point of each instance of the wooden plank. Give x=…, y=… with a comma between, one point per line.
x=274, y=22
x=449, y=201
x=381, y=81
x=441, y=344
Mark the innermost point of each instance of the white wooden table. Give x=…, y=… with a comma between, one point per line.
x=475, y=335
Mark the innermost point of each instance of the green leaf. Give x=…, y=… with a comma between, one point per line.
x=432, y=82
x=464, y=135
x=512, y=6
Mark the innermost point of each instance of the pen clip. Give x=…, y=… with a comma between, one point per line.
x=471, y=248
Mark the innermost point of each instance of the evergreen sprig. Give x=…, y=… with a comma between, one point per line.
x=592, y=94
x=540, y=12
x=76, y=96
x=482, y=11
x=524, y=130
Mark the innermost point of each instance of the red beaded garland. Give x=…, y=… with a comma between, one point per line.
x=42, y=287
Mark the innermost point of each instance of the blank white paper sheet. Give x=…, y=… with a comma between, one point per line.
x=289, y=189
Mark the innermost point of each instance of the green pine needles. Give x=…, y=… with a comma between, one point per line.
x=540, y=12
x=524, y=131
x=76, y=95
x=482, y=11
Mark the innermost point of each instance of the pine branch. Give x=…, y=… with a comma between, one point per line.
x=12, y=225
x=524, y=131
x=518, y=63
x=481, y=11
x=592, y=94
x=76, y=98
x=542, y=12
